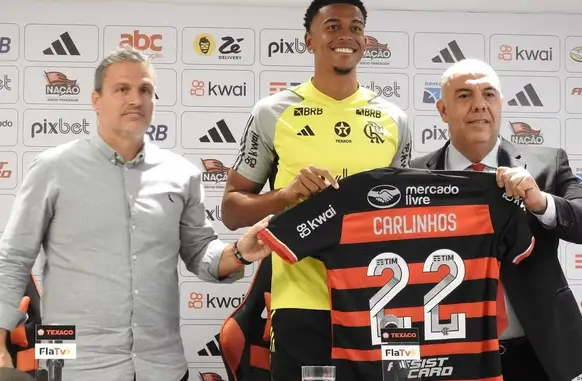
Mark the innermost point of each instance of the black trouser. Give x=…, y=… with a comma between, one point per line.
x=185, y=378
x=519, y=361
x=301, y=337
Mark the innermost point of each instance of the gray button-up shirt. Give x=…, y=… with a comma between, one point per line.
x=112, y=233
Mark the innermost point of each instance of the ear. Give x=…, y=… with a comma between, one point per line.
x=308, y=41
x=440, y=105
x=96, y=101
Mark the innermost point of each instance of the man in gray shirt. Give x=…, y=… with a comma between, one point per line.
x=114, y=213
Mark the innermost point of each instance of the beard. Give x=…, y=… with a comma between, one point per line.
x=342, y=70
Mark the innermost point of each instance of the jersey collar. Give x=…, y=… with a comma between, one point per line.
x=308, y=90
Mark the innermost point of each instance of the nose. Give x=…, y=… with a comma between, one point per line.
x=479, y=103
x=135, y=98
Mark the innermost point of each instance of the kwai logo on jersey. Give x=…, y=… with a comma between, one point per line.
x=384, y=196
x=524, y=134
x=60, y=88
x=306, y=228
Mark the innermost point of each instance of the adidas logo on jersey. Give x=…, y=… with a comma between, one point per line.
x=371, y=113
x=306, y=131
x=307, y=111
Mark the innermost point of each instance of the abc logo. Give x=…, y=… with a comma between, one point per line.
x=142, y=41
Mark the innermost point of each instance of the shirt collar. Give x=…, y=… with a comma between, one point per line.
x=115, y=158
x=457, y=162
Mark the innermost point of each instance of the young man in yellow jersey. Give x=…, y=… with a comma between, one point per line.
x=302, y=140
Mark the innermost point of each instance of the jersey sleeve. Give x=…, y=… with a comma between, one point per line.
x=403, y=153
x=517, y=239
x=307, y=228
x=402, y=157
x=257, y=154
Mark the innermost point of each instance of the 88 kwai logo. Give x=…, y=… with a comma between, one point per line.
x=210, y=301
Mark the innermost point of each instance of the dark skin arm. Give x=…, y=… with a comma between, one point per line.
x=242, y=205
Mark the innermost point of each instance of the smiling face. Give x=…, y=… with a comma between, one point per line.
x=471, y=106
x=336, y=37
x=126, y=101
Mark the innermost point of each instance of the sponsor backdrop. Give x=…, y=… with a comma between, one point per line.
x=213, y=64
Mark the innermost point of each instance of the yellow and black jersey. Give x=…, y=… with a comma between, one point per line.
x=301, y=126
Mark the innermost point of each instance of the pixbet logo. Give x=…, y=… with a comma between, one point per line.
x=199, y=301
x=157, y=133
x=59, y=127
x=4, y=173
x=285, y=47
x=434, y=133
x=5, y=44
x=387, y=91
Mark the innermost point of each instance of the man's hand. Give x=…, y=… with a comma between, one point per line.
x=310, y=180
x=250, y=246
x=5, y=359
x=519, y=183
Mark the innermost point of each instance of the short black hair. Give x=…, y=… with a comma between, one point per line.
x=316, y=5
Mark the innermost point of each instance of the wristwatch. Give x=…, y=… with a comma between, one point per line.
x=239, y=256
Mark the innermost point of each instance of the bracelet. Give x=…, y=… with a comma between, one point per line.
x=239, y=256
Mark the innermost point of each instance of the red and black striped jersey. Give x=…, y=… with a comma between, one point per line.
x=422, y=247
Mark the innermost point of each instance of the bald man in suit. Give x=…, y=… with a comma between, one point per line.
x=543, y=338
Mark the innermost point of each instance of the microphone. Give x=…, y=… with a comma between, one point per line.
x=42, y=375
x=55, y=369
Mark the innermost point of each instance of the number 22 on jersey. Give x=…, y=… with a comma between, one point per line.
x=434, y=329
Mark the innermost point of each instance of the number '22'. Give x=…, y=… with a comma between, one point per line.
x=433, y=328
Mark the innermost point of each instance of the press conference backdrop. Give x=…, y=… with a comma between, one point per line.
x=213, y=64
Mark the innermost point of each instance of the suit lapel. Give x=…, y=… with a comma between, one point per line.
x=437, y=160
x=509, y=155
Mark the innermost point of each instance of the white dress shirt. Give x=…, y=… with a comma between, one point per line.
x=454, y=160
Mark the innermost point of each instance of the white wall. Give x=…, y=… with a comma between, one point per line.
x=517, y=6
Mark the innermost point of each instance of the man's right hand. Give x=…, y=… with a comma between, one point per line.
x=310, y=180
x=5, y=359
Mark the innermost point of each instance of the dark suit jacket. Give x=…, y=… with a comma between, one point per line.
x=537, y=287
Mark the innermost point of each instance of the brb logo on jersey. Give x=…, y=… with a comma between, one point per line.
x=306, y=228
